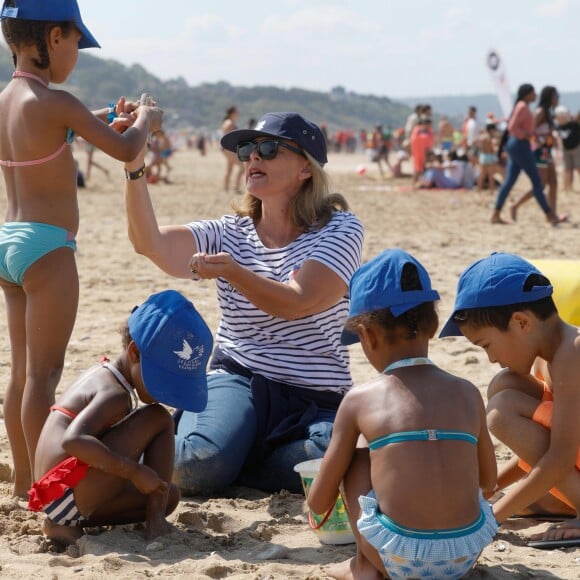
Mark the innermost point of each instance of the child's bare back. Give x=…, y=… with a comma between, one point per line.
x=410, y=450
x=437, y=479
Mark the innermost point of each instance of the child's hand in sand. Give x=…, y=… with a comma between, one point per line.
x=147, y=481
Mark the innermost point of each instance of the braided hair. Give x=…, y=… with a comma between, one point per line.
x=19, y=32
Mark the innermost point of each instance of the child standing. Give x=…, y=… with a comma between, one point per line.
x=88, y=455
x=412, y=443
x=504, y=304
x=37, y=243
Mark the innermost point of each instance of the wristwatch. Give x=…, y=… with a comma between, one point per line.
x=132, y=175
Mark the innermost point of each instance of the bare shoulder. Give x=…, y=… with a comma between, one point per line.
x=460, y=384
x=63, y=99
x=367, y=391
x=96, y=380
x=566, y=361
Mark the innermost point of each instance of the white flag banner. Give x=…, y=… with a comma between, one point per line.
x=498, y=77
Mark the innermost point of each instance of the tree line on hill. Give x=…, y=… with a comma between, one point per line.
x=97, y=82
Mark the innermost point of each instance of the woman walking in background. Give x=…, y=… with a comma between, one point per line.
x=522, y=129
x=543, y=143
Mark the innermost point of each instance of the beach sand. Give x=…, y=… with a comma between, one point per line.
x=246, y=533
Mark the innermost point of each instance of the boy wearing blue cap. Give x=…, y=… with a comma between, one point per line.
x=88, y=459
x=38, y=273
x=504, y=304
x=411, y=446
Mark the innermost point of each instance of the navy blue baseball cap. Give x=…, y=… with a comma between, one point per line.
x=497, y=280
x=292, y=126
x=377, y=285
x=51, y=11
x=175, y=344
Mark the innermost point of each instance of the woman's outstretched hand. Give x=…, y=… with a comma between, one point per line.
x=209, y=266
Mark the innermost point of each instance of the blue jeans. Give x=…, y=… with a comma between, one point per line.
x=212, y=447
x=521, y=157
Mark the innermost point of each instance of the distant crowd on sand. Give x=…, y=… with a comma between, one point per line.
x=176, y=412
x=432, y=150
x=474, y=155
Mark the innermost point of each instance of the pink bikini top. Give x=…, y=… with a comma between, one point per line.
x=70, y=135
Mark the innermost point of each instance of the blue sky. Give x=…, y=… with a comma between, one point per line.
x=396, y=48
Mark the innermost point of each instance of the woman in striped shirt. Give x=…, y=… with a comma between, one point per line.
x=282, y=265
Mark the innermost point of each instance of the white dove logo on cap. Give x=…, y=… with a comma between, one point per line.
x=186, y=351
x=189, y=357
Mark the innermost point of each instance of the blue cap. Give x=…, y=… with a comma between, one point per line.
x=292, y=126
x=377, y=285
x=175, y=344
x=51, y=11
x=497, y=280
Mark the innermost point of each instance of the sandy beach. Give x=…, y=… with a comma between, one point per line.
x=247, y=533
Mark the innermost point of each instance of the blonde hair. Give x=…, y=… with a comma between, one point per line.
x=311, y=207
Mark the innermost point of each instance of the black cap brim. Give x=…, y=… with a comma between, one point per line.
x=231, y=140
x=450, y=329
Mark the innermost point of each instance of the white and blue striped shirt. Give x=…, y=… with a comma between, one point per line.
x=304, y=352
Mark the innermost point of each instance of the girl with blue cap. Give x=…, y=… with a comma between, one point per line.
x=410, y=450
x=103, y=458
x=37, y=243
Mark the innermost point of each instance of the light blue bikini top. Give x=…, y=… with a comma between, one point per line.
x=425, y=434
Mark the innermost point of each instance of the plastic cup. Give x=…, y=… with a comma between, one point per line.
x=336, y=528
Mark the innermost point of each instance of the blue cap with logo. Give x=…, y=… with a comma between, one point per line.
x=175, y=344
x=497, y=280
x=291, y=126
x=51, y=11
x=377, y=285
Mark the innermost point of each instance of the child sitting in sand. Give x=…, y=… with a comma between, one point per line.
x=504, y=304
x=88, y=462
x=411, y=446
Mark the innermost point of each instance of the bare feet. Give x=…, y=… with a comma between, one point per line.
x=567, y=530
x=496, y=219
x=557, y=219
x=20, y=496
x=159, y=528
x=353, y=569
x=514, y=212
x=156, y=523
x=21, y=484
x=65, y=535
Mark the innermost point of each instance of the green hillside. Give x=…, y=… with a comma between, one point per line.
x=96, y=82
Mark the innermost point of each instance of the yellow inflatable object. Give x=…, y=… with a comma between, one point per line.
x=565, y=277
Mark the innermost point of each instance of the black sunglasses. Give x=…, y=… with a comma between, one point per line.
x=267, y=149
